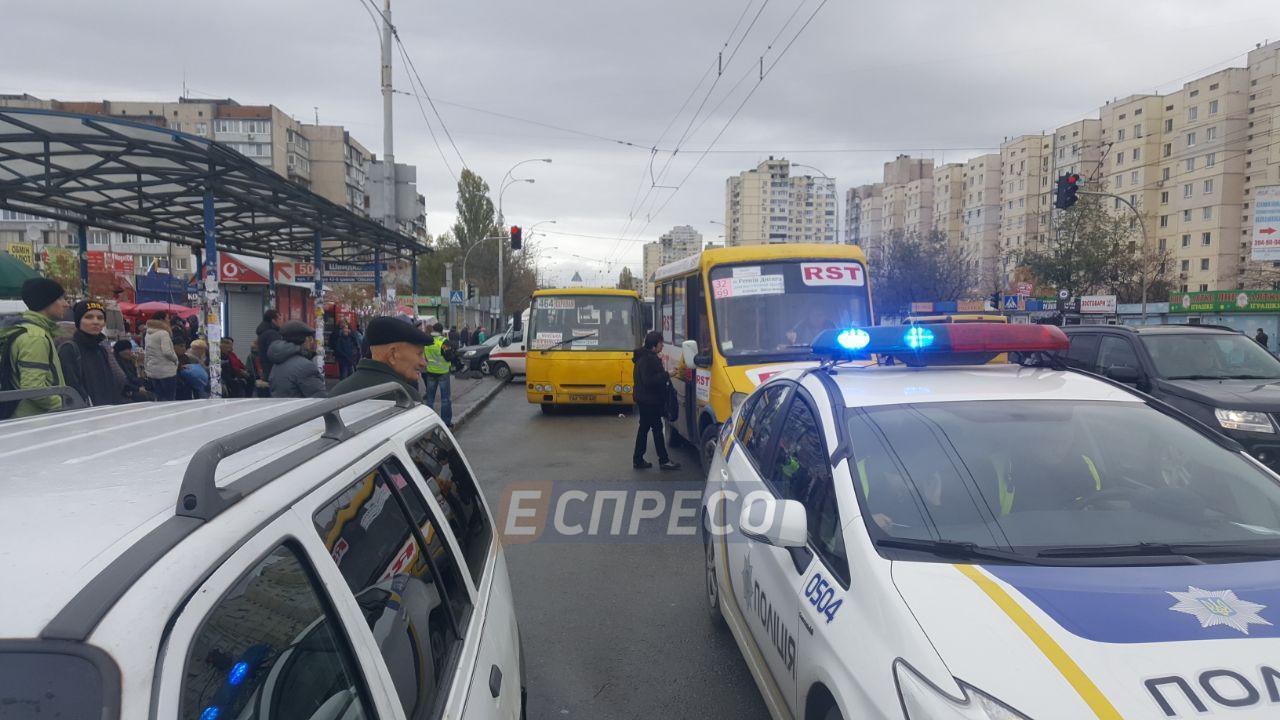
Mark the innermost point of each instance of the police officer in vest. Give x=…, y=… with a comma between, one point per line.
x=439, y=355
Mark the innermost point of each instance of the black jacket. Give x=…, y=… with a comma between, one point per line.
x=369, y=373
x=294, y=372
x=87, y=369
x=267, y=334
x=650, y=379
x=346, y=347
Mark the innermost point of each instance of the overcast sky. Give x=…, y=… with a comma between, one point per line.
x=863, y=82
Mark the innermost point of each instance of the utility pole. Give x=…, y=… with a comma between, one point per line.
x=388, y=144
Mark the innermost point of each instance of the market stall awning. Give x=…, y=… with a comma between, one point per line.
x=150, y=181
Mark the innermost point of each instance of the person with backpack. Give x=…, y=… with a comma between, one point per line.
x=84, y=359
x=161, y=360
x=28, y=359
x=439, y=356
x=268, y=332
x=651, y=382
x=134, y=389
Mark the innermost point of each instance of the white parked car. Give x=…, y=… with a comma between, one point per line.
x=294, y=559
x=943, y=539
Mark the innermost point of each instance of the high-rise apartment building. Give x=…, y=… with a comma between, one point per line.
x=679, y=242
x=1024, y=163
x=1262, y=157
x=768, y=204
x=982, y=219
x=948, y=202
x=867, y=205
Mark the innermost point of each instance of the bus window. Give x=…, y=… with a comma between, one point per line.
x=699, y=328
x=678, y=316
x=667, y=312
x=585, y=322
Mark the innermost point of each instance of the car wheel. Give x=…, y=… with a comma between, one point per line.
x=484, y=367
x=832, y=713
x=674, y=438
x=707, y=446
x=712, y=582
x=501, y=371
x=548, y=409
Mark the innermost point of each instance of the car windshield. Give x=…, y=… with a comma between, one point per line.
x=1030, y=476
x=1208, y=356
x=779, y=308
x=584, y=323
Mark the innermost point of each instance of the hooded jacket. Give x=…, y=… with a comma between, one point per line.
x=649, y=377
x=268, y=335
x=161, y=360
x=294, y=372
x=88, y=369
x=35, y=364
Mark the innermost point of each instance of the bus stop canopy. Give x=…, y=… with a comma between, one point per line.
x=153, y=182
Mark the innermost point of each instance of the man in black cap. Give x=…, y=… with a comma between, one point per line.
x=31, y=357
x=396, y=350
x=293, y=368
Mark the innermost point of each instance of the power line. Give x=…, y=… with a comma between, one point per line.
x=422, y=86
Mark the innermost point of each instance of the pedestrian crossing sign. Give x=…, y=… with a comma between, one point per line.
x=455, y=297
x=1010, y=302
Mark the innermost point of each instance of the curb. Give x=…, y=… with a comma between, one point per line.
x=467, y=414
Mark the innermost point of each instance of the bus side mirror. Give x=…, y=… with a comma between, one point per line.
x=689, y=350
x=504, y=340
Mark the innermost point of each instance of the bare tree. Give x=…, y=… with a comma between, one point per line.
x=916, y=267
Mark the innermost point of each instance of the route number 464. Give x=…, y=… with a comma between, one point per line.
x=822, y=596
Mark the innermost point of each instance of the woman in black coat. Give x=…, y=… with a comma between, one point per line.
x=84, y=359
x=650, y=380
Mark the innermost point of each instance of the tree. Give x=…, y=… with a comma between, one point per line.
x=1094, y=250
x=916, y=267
x=626, y=280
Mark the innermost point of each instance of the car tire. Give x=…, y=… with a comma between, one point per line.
x=707, y=446
x=484, y=367
x=711, y=580
x=501, y=371
x=548, y=409
x=674, y=438
x=832, y=713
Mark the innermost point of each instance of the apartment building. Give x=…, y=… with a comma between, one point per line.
x=1262, y=156
x=948, y=202
x=767, y=204
x=981, y=234
x=918, y=196
x=338, y=165
x=679, y=242
x=867, y=206
x=1024, y=169
x=1131, y=139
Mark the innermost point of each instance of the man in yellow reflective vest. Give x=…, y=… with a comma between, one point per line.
x=438, y=355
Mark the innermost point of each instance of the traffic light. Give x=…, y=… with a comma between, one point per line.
x=516, y=237
x=995, y=301
x=471, y=291
x=1066, y=191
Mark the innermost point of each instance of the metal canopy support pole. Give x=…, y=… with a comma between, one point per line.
x=212, y=321
x=82, y=235
x=377, y=275
x=319, y=300
x=413, y=278
x=271, y=280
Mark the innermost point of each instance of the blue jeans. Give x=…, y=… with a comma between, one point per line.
x=440, y=381
x=164, y=388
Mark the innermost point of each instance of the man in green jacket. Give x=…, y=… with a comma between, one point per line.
x=33, y=357
x=396, y=347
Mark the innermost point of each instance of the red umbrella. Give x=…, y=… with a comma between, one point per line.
x=147, y=309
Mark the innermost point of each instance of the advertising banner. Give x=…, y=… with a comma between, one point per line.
x=1266, y=223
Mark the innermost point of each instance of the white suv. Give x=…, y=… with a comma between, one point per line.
x=251, y=559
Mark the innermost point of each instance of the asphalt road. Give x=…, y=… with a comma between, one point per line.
x=612, y=628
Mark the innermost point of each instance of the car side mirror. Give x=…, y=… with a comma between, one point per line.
x=702, y=360
x=689, y=350
x=1124, y=374
x=504, y=341
x=780, y=523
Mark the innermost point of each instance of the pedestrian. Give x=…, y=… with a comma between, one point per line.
x=257, y=371
x=347, y=350
x=235, y=376
x=453, y=335
x=397, y=356
x=178, y=331
x=1262, y=339
x=268, y=331
x=134, y=389
x=293, y=369
x=650, y=381
x=193, y=375
x=465, y=336
x=439, y=355
x=84, y=359
x=480, y=335
x=30, y=356
x=161, y=358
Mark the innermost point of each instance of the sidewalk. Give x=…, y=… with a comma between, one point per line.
x=470, y=395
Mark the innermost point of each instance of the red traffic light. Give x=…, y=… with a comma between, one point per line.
x=516, y=237
x=1073, y=179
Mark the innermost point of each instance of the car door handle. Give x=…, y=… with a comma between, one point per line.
x=495, y=681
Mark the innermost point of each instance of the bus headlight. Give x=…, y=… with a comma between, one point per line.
x=922, y=701
x=617, y=388
x=1244, y=420
x=735, y=400
x=626, y=388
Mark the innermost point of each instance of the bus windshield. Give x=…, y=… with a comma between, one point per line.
x=778, y=308
x=584, y=323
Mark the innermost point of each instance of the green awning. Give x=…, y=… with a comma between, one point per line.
x=13, y=272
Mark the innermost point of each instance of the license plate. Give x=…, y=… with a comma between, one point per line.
x=582, y=398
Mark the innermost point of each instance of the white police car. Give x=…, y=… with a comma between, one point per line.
x=298, y=559
x=939, y=538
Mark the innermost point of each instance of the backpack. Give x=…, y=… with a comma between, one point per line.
x=8, y=334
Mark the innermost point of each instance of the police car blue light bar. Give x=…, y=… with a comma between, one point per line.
x=937, y=341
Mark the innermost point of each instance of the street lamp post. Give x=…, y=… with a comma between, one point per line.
x=833, y=188
x=502, y=246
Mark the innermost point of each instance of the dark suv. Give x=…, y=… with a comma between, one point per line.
x=1215, y=374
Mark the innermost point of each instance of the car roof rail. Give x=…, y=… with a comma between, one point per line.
x=72, y=399
x=200, y=497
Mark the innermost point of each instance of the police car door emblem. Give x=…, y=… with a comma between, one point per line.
x=1219, y=607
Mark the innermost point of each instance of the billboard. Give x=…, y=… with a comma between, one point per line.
x=1266, y=223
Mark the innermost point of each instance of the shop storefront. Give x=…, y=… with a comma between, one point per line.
x=1243, y=310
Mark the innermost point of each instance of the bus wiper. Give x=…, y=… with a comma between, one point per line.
x=575, y=338
x=956, y=549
